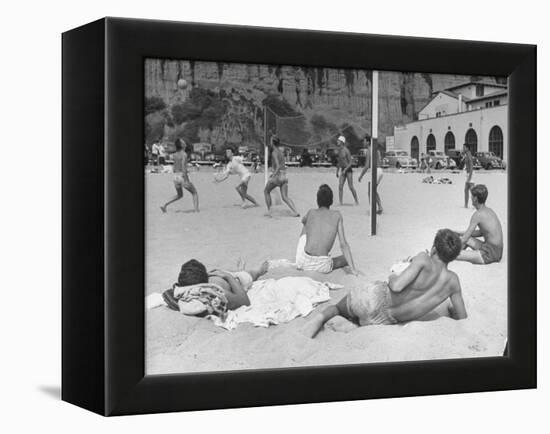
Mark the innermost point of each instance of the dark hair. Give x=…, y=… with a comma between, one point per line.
x=466, y=146
x=192, y=273
x=179, y=144
x=480, y=192
x=324, y=196
x=275, y=140
x=230, y=148
x=447, y=245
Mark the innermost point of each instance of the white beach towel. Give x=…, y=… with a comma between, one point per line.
x=278, y=301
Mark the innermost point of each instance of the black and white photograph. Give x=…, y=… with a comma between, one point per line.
x=266, y=244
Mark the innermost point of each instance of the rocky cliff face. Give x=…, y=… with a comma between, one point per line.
x=340, y=96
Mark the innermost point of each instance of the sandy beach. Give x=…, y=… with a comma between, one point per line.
x=223, y=232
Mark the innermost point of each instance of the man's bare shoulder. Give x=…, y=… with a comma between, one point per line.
x=453, y=280
x=422, y=257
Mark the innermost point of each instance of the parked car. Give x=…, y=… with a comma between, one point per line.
x=489, y=160
x=400, y=159
x=458, y=158
x=439, y=159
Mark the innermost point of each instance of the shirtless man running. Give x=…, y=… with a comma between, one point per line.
x=420, y=288
x=278, y=178
x=236, y=166
x=181, y=177
x=321, y=226
x=344, y=170
x=484, y=223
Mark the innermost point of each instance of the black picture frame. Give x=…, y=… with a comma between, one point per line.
x=103, y=221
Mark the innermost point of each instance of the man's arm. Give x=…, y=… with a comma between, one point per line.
x=398, y=282
x=345, y=246
x=237, y=297
x=474, y=221
x=457, y=310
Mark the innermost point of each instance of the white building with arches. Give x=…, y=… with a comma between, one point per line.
x=475, y=113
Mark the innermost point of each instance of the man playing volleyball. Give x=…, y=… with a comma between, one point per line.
x=235, y=166
x=469, y=171
x=379, y=174
x=181, y=177
x=278, y=178
x=344, y=170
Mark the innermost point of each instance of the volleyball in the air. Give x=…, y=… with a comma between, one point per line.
x=182, y=84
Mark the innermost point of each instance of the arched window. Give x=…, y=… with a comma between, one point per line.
x=430, y=143
x=415, y=148
x=471, y=140
x=449, y=141
x=496, y=141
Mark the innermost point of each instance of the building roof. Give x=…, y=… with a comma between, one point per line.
x=485, y=83
x=446, y=92
x=488, y=96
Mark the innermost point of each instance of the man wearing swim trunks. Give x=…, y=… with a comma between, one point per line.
x=181, y=177
x=321, y=226
x=278, y=177
x=410, y=295
x=235, y=166
x=344, y=170
x=484, y=223
x=379, y=174
x=468, y=171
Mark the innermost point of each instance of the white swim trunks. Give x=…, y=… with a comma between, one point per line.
x=178, y=180
x=306, y=262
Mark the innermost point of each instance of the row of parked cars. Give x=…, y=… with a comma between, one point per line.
x=453, y=159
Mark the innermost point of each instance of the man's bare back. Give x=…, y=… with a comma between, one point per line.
x=321, y=228
x=421, y=287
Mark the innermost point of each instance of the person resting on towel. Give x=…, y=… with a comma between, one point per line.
x=484, y=223
x=410, y=295
x=234, y=284
x=320, y=228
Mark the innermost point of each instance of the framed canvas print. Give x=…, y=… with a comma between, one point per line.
x=258, y=216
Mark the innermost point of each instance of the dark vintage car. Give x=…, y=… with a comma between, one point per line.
x=489, y=160
x=457, y=157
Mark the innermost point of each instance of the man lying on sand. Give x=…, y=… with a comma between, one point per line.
x=234, y=284
x=420, y=288
x=484, y=223
x=321, y=226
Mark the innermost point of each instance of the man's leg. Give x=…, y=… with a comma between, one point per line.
x=239, y=190
x=467, y=187
x=245, y=195
x=267, y=195
x=259, y=272
x=341, y=181
x=288, y=200
x=178, y=197
x=191, y=189
x=473, y=256
x=318, y=319
x=349, y=177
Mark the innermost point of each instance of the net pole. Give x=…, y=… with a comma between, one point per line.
x=373, y=150
x=265, y=145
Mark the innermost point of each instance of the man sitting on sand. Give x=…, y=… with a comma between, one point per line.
x=234, y=284
x=321, y=226
x=408, y=296
x=484, y=223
